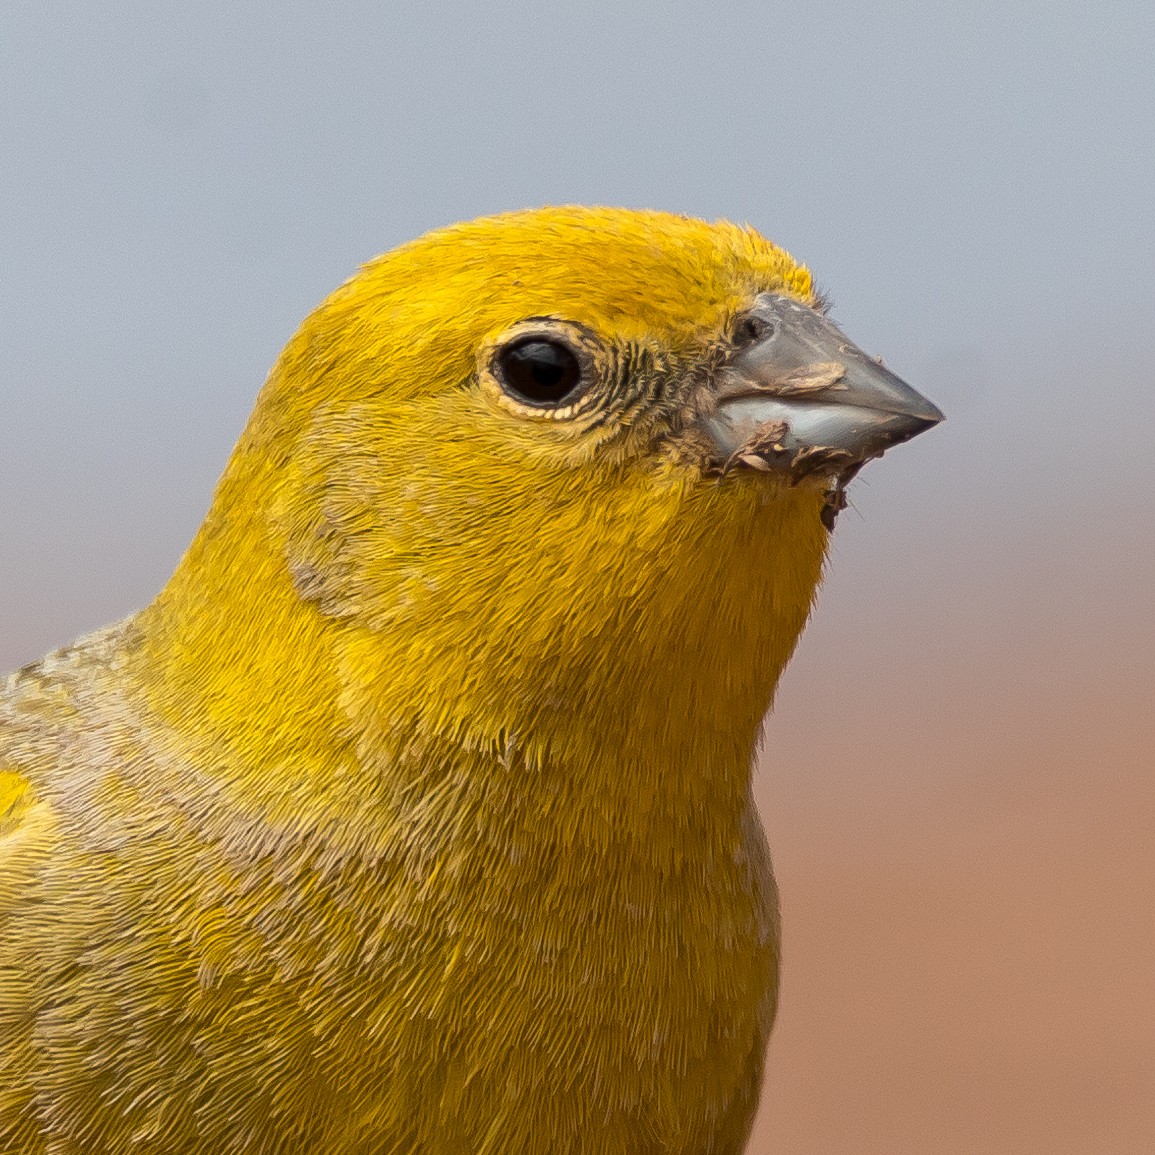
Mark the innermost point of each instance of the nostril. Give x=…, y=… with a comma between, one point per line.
x=752, y=328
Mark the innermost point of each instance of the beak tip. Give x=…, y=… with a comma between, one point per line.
x=907, y=426
x=928, y=418
x=931, y=414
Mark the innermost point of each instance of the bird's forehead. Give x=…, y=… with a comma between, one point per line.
x=622, y=272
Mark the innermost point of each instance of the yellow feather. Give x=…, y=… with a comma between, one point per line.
x=414, y=814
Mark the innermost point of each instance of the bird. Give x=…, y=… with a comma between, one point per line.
x=414, y=814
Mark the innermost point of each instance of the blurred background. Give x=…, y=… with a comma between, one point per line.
x=957, y=782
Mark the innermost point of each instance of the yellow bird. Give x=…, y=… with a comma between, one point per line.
x=414, y=815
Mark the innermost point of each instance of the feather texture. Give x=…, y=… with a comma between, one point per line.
x=414, y=815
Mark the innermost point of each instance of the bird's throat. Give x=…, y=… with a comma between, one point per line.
x=604, y=683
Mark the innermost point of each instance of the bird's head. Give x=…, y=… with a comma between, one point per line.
x=563, y=469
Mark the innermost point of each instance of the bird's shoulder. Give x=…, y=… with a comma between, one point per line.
x=45, y=707
x=26, y=828
x=17, y=798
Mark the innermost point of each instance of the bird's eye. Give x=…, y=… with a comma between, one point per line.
x=539, y=371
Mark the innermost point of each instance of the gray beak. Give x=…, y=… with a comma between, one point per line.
x=800, y=398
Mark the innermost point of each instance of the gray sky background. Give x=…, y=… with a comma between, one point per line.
x=181, y=182
x=974, y=185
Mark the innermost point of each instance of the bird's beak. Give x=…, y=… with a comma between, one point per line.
x=802, y=399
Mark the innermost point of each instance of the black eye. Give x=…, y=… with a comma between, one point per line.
x=537, y=370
